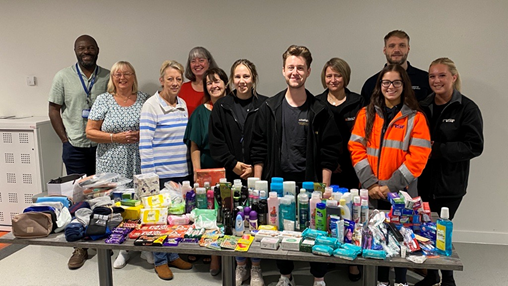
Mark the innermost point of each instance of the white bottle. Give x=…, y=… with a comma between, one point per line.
x=289, y=188
x=315, y=199
x=357, y=209
x=354, y=193
x=364, y=195
x=261, y=185
x=239, y=229
x=328, y=193
x=337, y=196
x=365, y=212
x=344, y=210
x=273, y=209
x=251, y=183
x=349, y=201
x=186, y=187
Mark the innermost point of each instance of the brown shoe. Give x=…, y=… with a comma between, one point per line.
x=164, y=272
x=180, y=264
x=78, y=258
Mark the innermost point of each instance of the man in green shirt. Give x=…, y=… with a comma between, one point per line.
x=72, y=94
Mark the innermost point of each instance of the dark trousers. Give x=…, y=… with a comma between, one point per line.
x=317, y=269
x=383, y=274
x=435, y=206
x=78, y=160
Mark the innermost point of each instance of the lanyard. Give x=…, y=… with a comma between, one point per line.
x=88, y=91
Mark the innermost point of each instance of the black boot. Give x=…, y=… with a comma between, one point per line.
x=447, y=278
x=431, y=279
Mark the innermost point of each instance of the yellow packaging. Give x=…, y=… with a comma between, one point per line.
x=244, y=243
x=154, y=216
x=131, y=213
x=157, y=201
x=267, y=227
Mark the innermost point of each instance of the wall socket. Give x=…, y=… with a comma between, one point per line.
x=30, y=80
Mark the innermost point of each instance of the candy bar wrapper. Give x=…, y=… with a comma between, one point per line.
x=154, y=216
x=146, y=184
x=229, y=242
x=115, y=238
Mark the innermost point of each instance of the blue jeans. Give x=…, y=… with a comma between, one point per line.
x=78, y=160
x=161, y=258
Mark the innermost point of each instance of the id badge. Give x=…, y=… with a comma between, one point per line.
x=85, y=113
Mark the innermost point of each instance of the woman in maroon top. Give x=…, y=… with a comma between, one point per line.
x=198, y=62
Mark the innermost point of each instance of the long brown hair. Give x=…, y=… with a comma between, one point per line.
x=377, y=99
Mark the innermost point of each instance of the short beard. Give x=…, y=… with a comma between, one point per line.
x=403, y=60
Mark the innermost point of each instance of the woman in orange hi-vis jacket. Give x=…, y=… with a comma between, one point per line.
x=390, y=145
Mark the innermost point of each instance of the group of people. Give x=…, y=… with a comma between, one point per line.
x=407, y=124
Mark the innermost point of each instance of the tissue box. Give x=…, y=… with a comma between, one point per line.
x=157, y=201
x=154, y=216
x=132, y=213
x=64, y=186
x=146, y=184
x=291, y=243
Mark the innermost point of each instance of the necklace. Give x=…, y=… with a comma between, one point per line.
x=334, y=101
x=124, y=99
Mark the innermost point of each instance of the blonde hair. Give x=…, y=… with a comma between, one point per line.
x=253, y=72
x=451, y=67
x=171, y=64
x=117, y=66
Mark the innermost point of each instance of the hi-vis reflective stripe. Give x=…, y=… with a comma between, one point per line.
x=393, y=144
x=357, y=138
x=364, y=173
x=406, y=173
x=420, y=143
x=409, y=128
x=372, y=151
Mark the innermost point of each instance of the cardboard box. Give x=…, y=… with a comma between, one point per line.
x=270, y=243
x=64, y=186
x=290, y=243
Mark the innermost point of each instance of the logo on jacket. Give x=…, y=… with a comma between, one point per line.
x=450, y=120
x=350, y=118
x=398, y=126
x=303, y=121
x=415, y=87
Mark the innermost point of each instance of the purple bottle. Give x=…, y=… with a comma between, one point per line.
x=190, y=201
x=246, y=212
x=253, y=220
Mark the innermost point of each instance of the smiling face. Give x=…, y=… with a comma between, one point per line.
x=242, y=79
x=441, y=79
x=334, y=80
x=171, y=82
x=396, y=50
x=123, y=78
x=295, y=71
x=215, y=87
x=199, y=66
x=86, y=51
x=389, y=90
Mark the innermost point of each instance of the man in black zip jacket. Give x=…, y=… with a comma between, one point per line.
x=295, y=137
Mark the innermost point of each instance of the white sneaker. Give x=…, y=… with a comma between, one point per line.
x=148, y=256
x=256, y=276
x=319, y=283
x=383, y=283
x=241, y=274
x=400, y=284
x=121, y=259
x=284, y=281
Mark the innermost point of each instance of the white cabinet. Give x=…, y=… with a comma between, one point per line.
x=30, y=156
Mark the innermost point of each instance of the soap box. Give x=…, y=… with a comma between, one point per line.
x=270, y=243
x=291, y=243
x=306, y=245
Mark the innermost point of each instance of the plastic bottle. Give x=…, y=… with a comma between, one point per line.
x=239, y=229
x=253, y=220
x=273, y=209
x=262, y=185
x=364, y=195
x=255, y=200
x=337, y=196
x=277, y=180
x=228, y=222
x=354, y=193
x=201, y=198
x=262, y=210
x=246, y=215
x=315, y=199
x=444, y=231
x=190, y=201
x=309, y=186
x=332, y=203
x=278, y=188
x=185, y=188
x=321, y=216
x=344, y=210
x=210, y=203
x=357, y=209
x=285, y=212
x=365, y=212
x=328, y=193
x=289, y=188
x=303, y=209
x=262, y=195
x=349, y=201
x=251, y=183
x=196, y=185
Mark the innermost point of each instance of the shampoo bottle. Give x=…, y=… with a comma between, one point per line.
x=273, y=209
x=303, y=209
x=344, y=210
x=315, y=199
x=357, y=209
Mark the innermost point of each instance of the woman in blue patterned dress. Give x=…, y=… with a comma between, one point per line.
x=114, y=124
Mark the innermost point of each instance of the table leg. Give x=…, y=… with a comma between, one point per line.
x=369, y=275
x=228, y=270
x=105, y=271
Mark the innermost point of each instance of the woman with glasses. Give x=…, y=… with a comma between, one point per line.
x=114, y=124
x=390, y=145
x=198, y=62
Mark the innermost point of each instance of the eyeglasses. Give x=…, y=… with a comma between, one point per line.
x=387, y=83
x=125, y=74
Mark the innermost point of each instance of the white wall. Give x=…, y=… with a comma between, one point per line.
x=37, y=39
